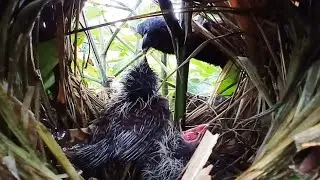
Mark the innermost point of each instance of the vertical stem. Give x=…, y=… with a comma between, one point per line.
x=76, y=40
x=181, y=89
x=164, y=74
x=183, y=72
x=178, y=37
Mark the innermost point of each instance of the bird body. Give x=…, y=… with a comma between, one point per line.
x=156, y=35
x=131, y=120
x=168, y=157
x=135, y=127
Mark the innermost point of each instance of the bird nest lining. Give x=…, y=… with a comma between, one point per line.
x=240, y=136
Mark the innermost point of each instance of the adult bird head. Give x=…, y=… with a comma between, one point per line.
x=155, y=34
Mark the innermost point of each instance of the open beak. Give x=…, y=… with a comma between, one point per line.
x=196, y=133
x=203, y=128
x=198, y=128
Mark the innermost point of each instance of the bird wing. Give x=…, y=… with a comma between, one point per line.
x=136, y=142
x=126, y=146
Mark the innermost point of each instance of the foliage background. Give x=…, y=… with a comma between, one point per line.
x=126, y=44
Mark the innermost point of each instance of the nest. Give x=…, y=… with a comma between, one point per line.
x=239, y=140
x=240, y=136
x=268, y=127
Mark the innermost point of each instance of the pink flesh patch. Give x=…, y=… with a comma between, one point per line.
x=201, y=127
x=190, y=136
x=195, y=133
x=198, y=128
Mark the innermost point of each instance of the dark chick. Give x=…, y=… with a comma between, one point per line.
x=136, y=127
x=155, y=35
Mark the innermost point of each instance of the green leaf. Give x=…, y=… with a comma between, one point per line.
x=228, y=85
x=202, y=77
x=47, y=83
x=48, y=58
x=81, y=37
x=94, y=11
x=90, y=71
